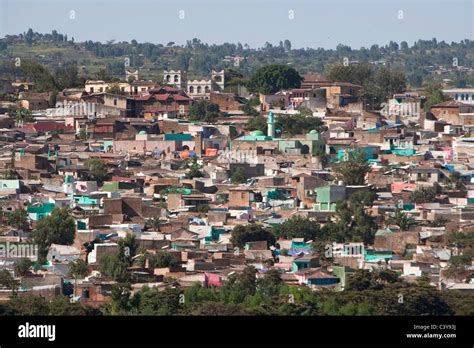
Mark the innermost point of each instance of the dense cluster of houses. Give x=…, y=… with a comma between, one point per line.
x=146, y=140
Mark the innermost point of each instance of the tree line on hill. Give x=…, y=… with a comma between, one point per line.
x=198, y=58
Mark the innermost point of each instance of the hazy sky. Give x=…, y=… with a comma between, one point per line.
x=306, y=23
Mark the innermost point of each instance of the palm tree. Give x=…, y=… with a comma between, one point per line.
x=154, y=223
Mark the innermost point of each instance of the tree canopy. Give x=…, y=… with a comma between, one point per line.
x=434, y=95
x=273, y=78
x=423, y=195
x=353, y=170
x=58, y=228
x=300, y=123
x=239, y=176
x=97, y=168
x=378, y=84
x=19, y=219
x=204, y=111
x=252, y=232
x=22, y=266
x=299, y=227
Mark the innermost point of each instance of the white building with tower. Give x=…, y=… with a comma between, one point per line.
x=197, y=89
x=131, y=73
x=175, y=78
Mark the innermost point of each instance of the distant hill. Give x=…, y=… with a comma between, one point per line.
x=422, y=61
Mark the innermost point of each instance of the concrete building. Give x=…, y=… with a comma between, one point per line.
x=404, y=107
x=462, y=95
x=201, y=89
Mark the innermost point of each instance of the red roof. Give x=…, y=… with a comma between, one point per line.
x=181, y=97
x=162, y=97
x=165, y=89
x=170, y=89
x=47, y=126
x=142, y=97
x=449, y=104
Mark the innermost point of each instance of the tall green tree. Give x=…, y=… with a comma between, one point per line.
x=78, y=269
x=39, y=74
x=204, y=111
x=154, y=223
x=19, y=219
x=58, y=228
x=8, y=281
x=353, y=170
x=163, y=259
x=97, y=168
x=273, y=78
x=423, y=195
x=299, y=227
x=400, y=219
x=120, y=298
x=239, y=176
x=21, y=114
x=22, y=266
x=390, y=81
x=115, y=266
x=358, y=74
x=257, y=123
x=300, y=123
x=242, y=234
x=67, y=75
x=434, y=95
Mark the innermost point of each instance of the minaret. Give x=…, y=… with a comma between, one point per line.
x=271, y=125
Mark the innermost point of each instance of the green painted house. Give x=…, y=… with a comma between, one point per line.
x=304, y=262
x=312, y=143
x=376, y=255
x=40, y=211
x=328, y=196
x=214, y=234
x=299, y=243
